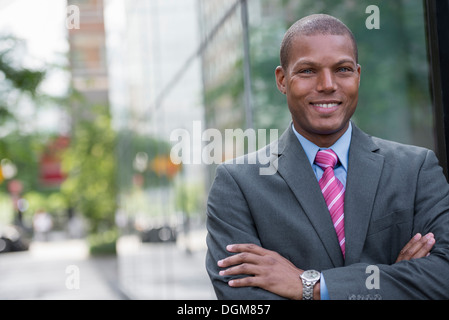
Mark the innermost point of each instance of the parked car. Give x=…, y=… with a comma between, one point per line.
x=13, y=238
x=161, y=234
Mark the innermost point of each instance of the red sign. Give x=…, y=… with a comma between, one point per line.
x=51, y=174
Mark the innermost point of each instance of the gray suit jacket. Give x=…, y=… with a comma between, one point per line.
x=393, y=191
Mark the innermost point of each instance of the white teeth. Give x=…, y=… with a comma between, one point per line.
x=326, y=105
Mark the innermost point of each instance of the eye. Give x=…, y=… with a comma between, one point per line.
x=306, y=71
x=344, y=69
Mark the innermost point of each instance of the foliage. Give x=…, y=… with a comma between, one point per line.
x=189, y=198
x=103, y=243
x=18, y=80
x=6, y=209
x=90, y=164
x=24, y=151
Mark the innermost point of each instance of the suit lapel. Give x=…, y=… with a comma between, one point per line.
x=295, y=169
x=364, y=171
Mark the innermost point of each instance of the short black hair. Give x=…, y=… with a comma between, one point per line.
x=315, y=24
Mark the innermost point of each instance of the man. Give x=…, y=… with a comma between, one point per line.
x=339, y=204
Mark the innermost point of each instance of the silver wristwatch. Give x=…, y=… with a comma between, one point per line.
x=309, y=278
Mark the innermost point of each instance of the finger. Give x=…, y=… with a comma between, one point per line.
x=417, y=247
x=244, y=282
x=246, y=247
x=247, y=253
x=243, y=257
x=404, y=254
x=428, y=243
x=412, y=242
x=244, y=268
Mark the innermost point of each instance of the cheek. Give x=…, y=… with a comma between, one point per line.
x=299, y=90
x=350, y=87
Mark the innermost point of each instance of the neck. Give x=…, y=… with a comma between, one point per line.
x=322, y=140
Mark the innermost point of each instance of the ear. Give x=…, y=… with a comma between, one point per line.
x=280, y=79
x=359, y=70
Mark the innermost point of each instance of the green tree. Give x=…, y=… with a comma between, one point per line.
x=17, y=80
x=90, y=164
x=18, y=83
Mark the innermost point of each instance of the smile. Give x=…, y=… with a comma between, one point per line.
x=325, y=105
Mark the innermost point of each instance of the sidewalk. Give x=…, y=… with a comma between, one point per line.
x=163, y=270
x=62, y=269
x=58, y=270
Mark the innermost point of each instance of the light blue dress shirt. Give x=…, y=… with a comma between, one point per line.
x=341, y=148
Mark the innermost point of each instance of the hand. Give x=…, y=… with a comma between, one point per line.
x=417, y=247
x=265, y=269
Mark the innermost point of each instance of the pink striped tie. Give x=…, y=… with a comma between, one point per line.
x=333, y=192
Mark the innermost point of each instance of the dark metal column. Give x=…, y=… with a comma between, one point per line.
x=437, y=20
x=247, y=66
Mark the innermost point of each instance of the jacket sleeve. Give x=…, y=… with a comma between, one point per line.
x=229, y=221
x=424, y=278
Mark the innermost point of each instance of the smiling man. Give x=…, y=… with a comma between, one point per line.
x=340, y=201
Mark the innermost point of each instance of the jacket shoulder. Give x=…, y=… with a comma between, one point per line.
x=254, y=161
x=396, y=149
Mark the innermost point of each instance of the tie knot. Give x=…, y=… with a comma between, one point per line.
x=326, y=158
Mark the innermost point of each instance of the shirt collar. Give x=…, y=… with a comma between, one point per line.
x=340, y=147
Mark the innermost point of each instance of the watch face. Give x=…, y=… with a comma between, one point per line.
x=311, y=275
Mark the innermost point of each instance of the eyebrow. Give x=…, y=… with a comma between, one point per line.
x=312, y=63
x=343, y=61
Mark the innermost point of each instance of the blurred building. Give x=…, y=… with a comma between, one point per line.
x=155, y=82
x=222, y=55
x=155, y=88
x=221, y=31
x=151, y=53
x=87, y=52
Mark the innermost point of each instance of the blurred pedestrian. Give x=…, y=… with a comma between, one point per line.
x=42, y=225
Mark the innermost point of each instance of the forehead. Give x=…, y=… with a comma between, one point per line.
x=321, y=49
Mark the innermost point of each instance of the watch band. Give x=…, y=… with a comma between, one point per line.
x=309, y=278
x=307, y=290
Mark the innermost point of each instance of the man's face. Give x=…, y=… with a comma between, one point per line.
x=321, y=84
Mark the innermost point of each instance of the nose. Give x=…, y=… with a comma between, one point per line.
x=326, y=82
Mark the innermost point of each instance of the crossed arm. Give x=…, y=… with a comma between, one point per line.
x=270, y=271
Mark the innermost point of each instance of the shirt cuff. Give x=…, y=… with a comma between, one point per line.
x=324, y=294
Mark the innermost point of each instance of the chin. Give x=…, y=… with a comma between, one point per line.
x=328, y=129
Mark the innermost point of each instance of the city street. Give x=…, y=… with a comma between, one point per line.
x=164, y=270
x=63, y=270
x=58, y=270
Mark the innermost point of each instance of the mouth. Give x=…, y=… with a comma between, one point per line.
x=326, y=106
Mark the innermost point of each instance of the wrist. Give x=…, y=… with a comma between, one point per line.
x=317, y=292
